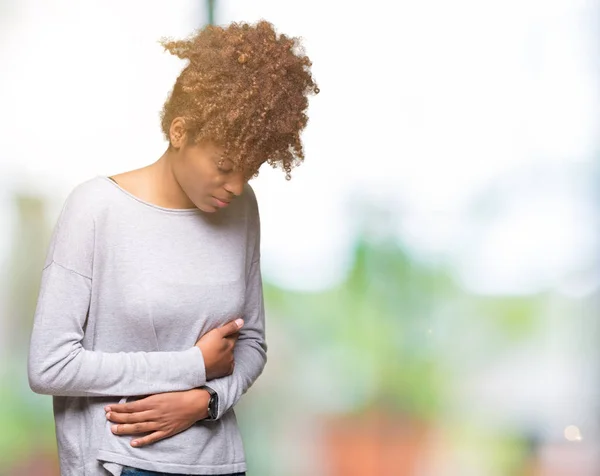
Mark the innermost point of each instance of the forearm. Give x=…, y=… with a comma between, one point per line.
x=59, y=365
x=250, y=360
x=250, y=353
x=92, y=374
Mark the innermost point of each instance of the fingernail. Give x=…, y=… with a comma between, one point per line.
x=239, y=322
x=106, y=409
x=108, y=415
x=134, y=443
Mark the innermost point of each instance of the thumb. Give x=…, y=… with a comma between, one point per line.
x=231, y=327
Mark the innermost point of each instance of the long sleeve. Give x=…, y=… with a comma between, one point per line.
x=58, y=364
x=250, y=352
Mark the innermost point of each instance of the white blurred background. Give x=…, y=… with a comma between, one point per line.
x=432, y=269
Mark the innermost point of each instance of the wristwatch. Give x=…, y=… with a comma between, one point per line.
x=213, y=403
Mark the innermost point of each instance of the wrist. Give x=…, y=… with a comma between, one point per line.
x=213, y=403
x=200, y=399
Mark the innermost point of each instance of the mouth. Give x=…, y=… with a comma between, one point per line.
x=221, y=203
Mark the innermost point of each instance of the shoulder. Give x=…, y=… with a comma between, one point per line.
x=250, y=203
x=72, y=241
x=88, y=197
x=89, y=200
x=249, y=196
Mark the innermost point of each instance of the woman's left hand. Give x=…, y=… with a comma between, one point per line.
x=163, y=415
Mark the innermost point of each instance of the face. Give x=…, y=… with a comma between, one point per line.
x=206, y=176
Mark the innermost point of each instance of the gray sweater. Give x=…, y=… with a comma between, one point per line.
x=127, y=289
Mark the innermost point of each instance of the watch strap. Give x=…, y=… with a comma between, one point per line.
x=213, y=403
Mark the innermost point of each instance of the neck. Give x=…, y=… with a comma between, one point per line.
x=164, y=184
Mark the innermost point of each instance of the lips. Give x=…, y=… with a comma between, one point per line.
x=221, y=203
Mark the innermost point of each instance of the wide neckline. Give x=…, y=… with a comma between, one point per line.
x=178, y=211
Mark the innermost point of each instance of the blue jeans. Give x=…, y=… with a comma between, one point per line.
x=129, y=471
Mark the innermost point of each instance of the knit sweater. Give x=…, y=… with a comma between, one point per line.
x=127, y=289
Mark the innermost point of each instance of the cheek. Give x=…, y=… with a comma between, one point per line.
x=199, y=193
x=200, y=189
x=195, y=181
x=199, y=180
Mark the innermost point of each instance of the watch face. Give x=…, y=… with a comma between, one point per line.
x=211, y=407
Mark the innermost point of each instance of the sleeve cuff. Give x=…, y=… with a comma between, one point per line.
x=198, y=367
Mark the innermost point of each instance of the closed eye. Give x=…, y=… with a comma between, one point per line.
x=224, y=165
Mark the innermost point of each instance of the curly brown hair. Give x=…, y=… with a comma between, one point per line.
x=245, y=88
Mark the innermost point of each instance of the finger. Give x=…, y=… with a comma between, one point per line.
x=233, y=336
x=134, y=429
x=117, y=417
x=129, y=407
x=146, y=440
x=231, y=327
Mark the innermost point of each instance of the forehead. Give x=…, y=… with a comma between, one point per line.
x=211, y=148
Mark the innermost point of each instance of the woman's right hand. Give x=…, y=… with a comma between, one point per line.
x=217, y=349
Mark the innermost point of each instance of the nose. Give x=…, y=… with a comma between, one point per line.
x=235, y=185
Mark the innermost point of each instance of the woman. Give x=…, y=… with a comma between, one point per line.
x=150, y=320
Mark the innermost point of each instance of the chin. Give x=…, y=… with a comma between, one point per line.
x=207, y=208
x=204, y=206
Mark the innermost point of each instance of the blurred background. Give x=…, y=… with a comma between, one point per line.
x=431, y=271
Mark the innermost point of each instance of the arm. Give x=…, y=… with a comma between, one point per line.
x=57, y=362
x=250, y=352
x=59, y=365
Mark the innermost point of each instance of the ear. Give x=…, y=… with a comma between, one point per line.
x=177, y=133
